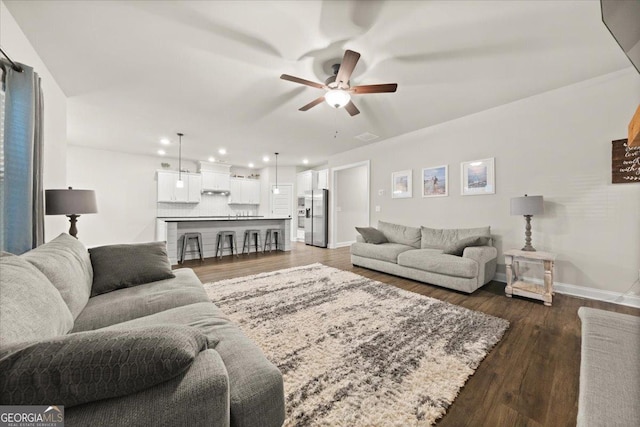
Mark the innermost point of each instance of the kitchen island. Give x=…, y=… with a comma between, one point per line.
x=172, y=229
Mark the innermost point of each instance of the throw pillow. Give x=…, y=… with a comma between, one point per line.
x=372, y=235
x=87, y=366
x=31, y=308
x=124, y=266
x=457, y=248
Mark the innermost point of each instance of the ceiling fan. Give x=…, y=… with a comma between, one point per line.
x=337, y=86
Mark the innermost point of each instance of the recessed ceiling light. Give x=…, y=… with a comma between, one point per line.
x=265, y=159
x=222, y=151
x=162, y=152
x=305, y=161
x=165, y=141
x=212, y=159
x=250, y=165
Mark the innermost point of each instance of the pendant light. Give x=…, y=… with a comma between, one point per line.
x=276, y=190
x=180, y=182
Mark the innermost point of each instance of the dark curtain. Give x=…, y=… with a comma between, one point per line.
x=21, y=193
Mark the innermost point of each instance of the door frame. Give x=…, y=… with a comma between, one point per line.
x=332, y=212
x=294, y=217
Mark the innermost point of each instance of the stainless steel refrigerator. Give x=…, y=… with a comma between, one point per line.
x=316, y=218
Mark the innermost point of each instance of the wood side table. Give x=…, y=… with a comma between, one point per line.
x=517, y=286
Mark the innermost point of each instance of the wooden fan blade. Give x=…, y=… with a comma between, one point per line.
x=349, y=62
x=351, y=108
x=302, y=81
x=312, y=104
x=388, y=87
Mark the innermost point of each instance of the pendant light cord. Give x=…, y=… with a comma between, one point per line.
x=180, y=157
x=277, y=170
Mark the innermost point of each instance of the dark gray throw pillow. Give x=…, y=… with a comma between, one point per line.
x=87, y=366
x=124, y=266
x=372, y=235
x=457, y=248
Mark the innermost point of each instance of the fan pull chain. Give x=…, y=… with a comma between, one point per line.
x=335, y=123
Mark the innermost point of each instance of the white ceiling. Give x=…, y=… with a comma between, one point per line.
x=137, y=71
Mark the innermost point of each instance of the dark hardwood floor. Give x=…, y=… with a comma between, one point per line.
x=529, y=379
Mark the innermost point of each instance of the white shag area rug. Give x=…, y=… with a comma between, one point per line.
x=356, y=352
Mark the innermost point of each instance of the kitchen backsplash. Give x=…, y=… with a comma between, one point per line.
x=210, y=205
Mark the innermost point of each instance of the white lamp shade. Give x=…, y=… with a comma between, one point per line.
x=70, y=202
x=337, y=98
x=179, y=183
x=527, y=205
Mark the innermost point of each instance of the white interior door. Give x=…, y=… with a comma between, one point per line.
x=281, y=205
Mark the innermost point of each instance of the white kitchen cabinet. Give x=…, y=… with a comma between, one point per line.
x=168, y=192
x=193, y=182
x=215, y=181
x=323, y=179
x=252, y=191
x=244, y=191
x=307, y=181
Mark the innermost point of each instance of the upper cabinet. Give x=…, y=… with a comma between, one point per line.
x=323, y=179
x=306, y=181
x=215, y=181
x=244, y=191
x=168, y=192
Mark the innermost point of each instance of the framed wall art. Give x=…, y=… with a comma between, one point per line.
x=401, y=184
x=478, y=177
x=435, y=181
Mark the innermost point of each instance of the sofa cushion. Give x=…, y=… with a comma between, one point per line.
x=384, y=252
x=609, y=369
x=142, y=300
x=372, y=235
x=458, y=247
x=31, y=308
x=65, y=261
x=123, y=266
x=255, y=384
x=402, y=234
x=443, y=237
x=90, y=366
x=429, y=260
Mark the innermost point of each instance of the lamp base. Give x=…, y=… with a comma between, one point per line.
x=527, y=235
x=73, y=230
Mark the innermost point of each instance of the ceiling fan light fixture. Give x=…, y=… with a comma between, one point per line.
x=337, y=98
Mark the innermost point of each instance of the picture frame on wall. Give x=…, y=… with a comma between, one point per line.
x=435, y=181
x=478, y=177
x=401, y=184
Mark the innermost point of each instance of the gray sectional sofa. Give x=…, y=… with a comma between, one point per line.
x=418, y=254
x=156, y=353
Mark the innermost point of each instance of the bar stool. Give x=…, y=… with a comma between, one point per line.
x=233, y=243
x=185, y=242
x=246, y=242
x=271, y=236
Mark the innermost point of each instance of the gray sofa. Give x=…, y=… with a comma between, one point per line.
x=45, y=298
x=417, y=253
x=609, y=369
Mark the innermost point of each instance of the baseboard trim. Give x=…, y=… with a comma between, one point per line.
x=341, y=244
x=588, y=293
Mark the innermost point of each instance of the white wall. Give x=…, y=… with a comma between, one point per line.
x=556, y=144
x=351, y=202
x=16, y=44
x=126, y=192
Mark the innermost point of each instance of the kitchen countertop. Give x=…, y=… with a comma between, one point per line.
x=219, y=218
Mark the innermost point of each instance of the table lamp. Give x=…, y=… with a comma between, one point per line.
x=527, y=206
x=71, y=203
